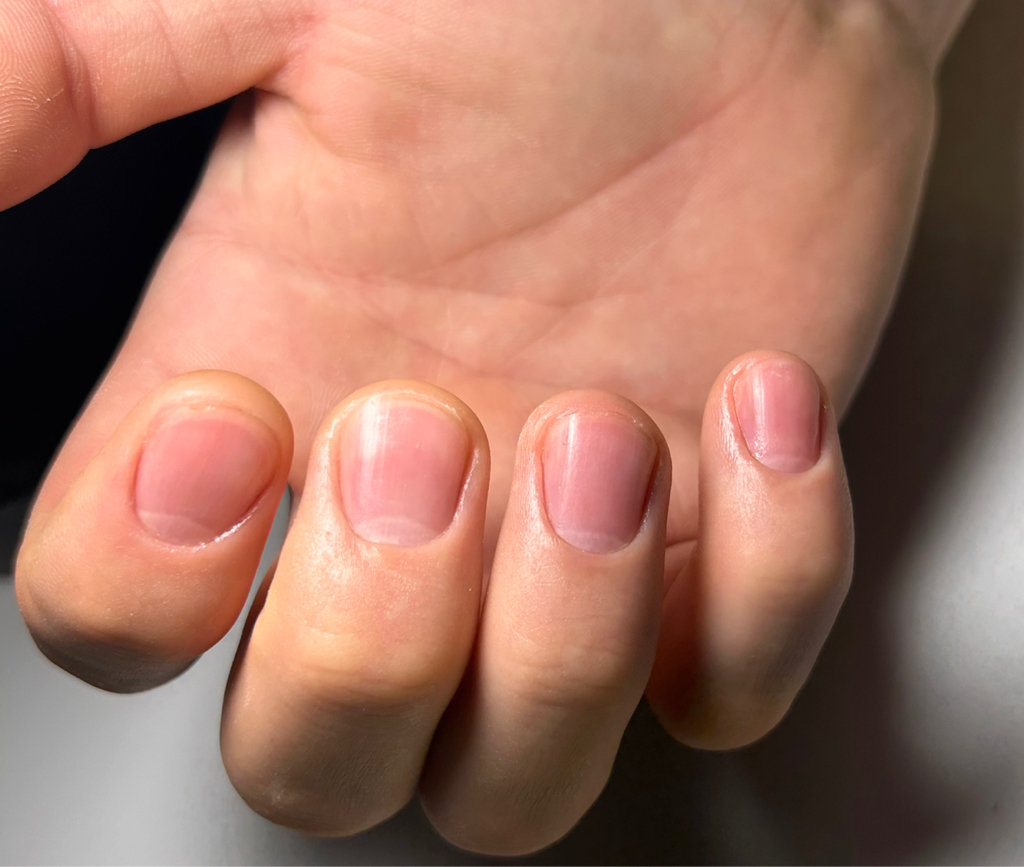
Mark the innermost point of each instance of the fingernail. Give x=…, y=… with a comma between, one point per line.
x=778, y=407
x=200, y=474
x=597, y=471
x=402, y=469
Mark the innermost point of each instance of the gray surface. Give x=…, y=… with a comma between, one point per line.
x=908, y=743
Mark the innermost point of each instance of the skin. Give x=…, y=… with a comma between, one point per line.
x=509, y=212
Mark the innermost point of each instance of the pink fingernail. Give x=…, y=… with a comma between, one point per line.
x=597, y=471
x=403, y=464
x=201, y=474
x=778, y=407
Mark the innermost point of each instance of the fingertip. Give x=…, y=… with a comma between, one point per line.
x=146, y=559
x=777, y=407
x=770, y=436
x=772, y=472
x=222, y=388
x=568, y=629
x=402, y=465
x=600, y=466
x=373, y=610
x=771, y=410
x=750, y=610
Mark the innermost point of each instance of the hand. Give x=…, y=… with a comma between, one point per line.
x=504, y=201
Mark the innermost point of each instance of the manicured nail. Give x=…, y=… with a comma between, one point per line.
x=402, y=469
x=597, y=471
x=778, y=407
x=200, y=474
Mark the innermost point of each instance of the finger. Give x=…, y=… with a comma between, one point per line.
x=370, y=618
x=745, y=618
x=568, y=630
x=147, y=560
x=79, y=74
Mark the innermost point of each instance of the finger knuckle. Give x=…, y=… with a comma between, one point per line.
x=350, y=671
x=573, y=676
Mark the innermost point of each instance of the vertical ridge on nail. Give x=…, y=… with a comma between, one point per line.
x=597, y=472
x=778, y=408
x=402, y=465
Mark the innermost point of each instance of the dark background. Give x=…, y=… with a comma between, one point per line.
x=73, y=262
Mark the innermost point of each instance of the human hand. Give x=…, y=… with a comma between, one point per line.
x=504, y=201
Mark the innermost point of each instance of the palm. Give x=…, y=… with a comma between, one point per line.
x=523, y=198
x=508, y=200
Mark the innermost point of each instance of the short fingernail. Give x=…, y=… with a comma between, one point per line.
x=597, y=472
x=778, y=407
x=403, y=464
x=201, y=473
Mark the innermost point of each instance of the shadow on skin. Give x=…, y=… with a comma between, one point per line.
x=839, y=776
x=75, y=258
x=836, y=782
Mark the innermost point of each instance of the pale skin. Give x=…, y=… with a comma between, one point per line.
x=646, y=218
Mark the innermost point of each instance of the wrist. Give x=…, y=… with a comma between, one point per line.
x=932, y=24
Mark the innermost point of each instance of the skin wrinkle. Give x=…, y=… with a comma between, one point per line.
x=401, y=84
x=363, y=299
x=445, y=352
x=170, y=54
x=213, y=12
x=311, y=323
x=692, y=124
x=326, y=399
x=380, y=318
x=668, y=228
x=425, y=86
x=164, y=28
x=76, y=73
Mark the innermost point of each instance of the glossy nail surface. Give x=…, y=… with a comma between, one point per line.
x=778, y=407
x=597, y=471
x=201, y=473
x=402, y=463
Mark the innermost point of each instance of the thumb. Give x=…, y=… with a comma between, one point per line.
x=82, y=73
